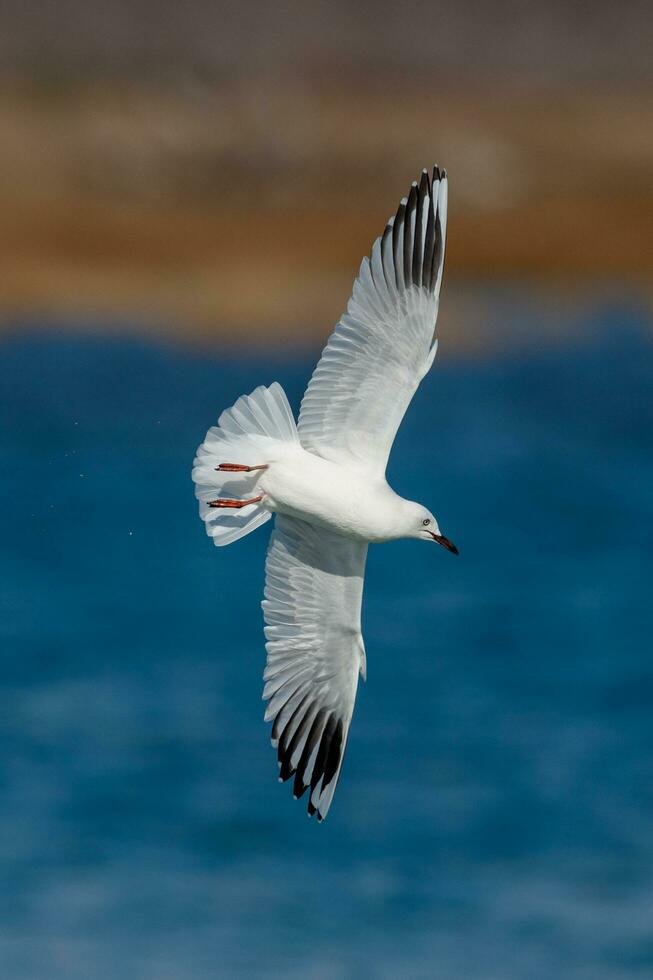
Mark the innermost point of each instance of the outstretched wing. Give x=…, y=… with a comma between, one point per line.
x=384, y=344
x=312, y=609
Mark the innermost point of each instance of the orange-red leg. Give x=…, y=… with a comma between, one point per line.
x=235, y=504
x=239, y=468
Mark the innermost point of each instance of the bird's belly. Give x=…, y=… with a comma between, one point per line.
x=313, y=489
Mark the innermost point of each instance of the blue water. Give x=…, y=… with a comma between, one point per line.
x=494, y=819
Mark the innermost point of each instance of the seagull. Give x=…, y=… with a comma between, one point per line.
x=324, y=479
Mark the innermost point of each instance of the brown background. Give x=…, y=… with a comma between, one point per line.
x=216, y=171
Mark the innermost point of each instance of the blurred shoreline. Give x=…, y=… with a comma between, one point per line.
x=475, y=321
x=224, y=207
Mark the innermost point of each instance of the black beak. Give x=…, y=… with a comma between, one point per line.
x=445, y=542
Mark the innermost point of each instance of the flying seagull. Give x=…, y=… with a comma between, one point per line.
x=324, y=478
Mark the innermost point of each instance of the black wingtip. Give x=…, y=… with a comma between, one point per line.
x=298, y=788
x=397, y=235
x=286, y=770
x=409, y=236
x=418, y=234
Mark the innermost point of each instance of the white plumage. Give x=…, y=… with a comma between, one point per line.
x=325, y=479
x=384, y=344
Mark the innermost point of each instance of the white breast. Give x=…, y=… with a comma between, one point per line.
x=342, y=498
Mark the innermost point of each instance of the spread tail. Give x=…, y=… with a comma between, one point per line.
x=245, y=434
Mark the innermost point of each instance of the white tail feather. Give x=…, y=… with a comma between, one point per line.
x=245, y=434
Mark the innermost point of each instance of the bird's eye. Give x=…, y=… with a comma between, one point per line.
x=426, y=521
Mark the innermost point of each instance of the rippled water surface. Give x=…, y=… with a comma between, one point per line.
x=494, y=819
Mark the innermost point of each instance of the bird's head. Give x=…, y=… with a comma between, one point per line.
x=423, y=525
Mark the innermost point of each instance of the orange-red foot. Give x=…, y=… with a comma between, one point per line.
x=236, y=504
x=239, y=468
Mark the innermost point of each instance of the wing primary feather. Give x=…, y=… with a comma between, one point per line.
x=311, y=742
x=398, y=243
x=323, y=751
x=437, y=246
x=287, y=768
x=423, y=201
x=389, y=274
x=429, y=244
x=333, y=759
x=439, y=242
x=289, y=728
x=285, y=772
x=299, y=787
x=409, y=235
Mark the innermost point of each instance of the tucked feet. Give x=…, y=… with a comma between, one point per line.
x=235, y=504
x=239, y=468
